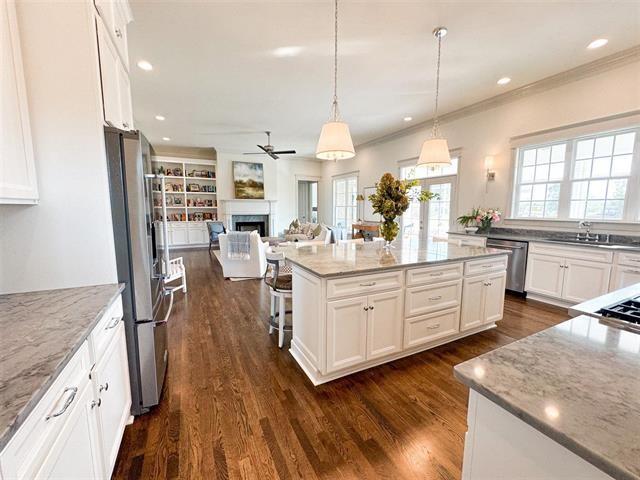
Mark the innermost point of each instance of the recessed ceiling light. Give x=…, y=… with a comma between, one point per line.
x=600, y=42
x=407, y=119
x=291, y=51
x=504, y=81
x=144, y=65
x=159, y=117
x=166, y=139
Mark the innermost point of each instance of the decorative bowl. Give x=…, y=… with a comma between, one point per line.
x=470, y=230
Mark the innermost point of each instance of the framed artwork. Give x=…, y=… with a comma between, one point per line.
x=248, y=180
x=368, y=215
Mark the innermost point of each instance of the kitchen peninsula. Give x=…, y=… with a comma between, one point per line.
x=358, y=306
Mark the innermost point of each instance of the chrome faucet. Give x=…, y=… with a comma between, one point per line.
x=587, y=237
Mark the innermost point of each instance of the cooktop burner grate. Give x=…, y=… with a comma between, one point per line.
x=629, y=310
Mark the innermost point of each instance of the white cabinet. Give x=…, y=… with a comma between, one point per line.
x=584, y=280
x=482, y=300
x=346, y=333
x=433, y=326
x=75, y=454
x=178, y=234
x=545, y=275
x=363, y=328
x=198, y=233
x=116, y=15
x=624, y=276
x=18, y=183
x=384, y=325
x=464, y=240
x=111, y=383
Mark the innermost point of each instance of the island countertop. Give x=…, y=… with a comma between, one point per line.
x=350, y=259
x=39, y=333
x=577, y=383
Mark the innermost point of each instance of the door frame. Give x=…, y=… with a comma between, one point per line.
x=305, y=178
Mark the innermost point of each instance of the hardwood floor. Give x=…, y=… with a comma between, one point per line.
x=236, y=406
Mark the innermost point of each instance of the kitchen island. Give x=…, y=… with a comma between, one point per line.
x=357, y=306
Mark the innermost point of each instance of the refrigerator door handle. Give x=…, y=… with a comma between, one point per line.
x=166, y=316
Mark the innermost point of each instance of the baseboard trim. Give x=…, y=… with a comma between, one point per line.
x=550, y=300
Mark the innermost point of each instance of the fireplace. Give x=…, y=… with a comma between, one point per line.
x=248, y=223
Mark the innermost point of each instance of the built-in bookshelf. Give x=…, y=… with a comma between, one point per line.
x=191, y=190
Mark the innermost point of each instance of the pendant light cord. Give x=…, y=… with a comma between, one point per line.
x=435, y=132
x=334, y=109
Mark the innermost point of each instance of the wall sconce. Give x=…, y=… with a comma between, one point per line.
x=488, y=165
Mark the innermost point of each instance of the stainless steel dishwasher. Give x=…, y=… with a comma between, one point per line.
x=517, y=263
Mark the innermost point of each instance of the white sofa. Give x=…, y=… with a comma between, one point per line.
x=253, y=267
x=325, y=237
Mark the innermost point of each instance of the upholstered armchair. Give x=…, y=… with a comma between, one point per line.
x=215, y=229
x=252, y=267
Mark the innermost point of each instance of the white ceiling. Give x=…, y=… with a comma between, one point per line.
x=218, y=84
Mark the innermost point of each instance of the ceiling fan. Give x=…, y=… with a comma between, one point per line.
x=269, y=150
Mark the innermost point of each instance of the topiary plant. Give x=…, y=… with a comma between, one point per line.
x=392, y=199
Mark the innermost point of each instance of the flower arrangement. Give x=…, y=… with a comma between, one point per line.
x=483, y=218
x=392, y=199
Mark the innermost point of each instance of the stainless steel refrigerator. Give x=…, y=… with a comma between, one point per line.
x=147, y=304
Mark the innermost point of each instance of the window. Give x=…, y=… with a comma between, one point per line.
x=345, y=206
x=581, y=178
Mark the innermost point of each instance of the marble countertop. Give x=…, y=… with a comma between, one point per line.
x=577, y=383
x=590, y=307
x=39, y=333
x=348, y=259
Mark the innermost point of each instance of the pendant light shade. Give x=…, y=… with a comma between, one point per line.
x=335, y=142
x=435, y=151
x=335, y=139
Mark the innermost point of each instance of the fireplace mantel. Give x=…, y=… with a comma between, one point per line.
x=249, y=207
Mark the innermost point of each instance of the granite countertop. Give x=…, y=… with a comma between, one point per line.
x=39, y=334
x=590, y=307
x=577, y=383
x=617, y=242
x=348, y=259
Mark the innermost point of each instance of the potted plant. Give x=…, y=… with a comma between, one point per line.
x=392, y=199
x=482, y=217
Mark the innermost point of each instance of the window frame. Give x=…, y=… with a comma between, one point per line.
x=632, y=196
x=334, y=179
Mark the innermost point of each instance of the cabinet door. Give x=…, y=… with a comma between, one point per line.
x=346, y=333
x=17, y=167
x=494, y=296
x=584, y=280
x=545, y=274
x=76, y=454
x=472, y=314
x=623, y=277
x=198, y=234
x=111, y=379
x=124, y=98
x=178, y=235
x=109, y=72
x=384, y=324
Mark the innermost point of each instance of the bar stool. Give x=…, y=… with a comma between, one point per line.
x=280, y=286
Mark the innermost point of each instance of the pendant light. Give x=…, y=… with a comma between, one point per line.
x=335, y=140
x=435, y=151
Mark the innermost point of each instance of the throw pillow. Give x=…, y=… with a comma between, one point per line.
x=294, y=227
x=317, y=231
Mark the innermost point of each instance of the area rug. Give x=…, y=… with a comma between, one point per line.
x=233, y=279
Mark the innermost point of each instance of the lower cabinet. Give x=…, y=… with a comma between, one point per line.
x=545, y=275
x=584, y=280
x=624, y=276
x=428, y=328
x=482, y=300
x=363, y=328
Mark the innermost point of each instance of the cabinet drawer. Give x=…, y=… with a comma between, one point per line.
x=492, y=264
x=25, y=452
x=435, y=274
x=468, y=240
x=430, y=298
x=626, y=258
x=105, y=330
x=579, y=253
x=364, y=284
x=428, y=328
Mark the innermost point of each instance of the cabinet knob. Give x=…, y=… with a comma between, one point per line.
x=125, y=124
x=366, y=309
x=371, y=308
x=104, y=388
x=118, y=33
x=96, y=403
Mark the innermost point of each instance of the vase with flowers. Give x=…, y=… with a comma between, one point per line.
x=392, y=199
x=481, y=217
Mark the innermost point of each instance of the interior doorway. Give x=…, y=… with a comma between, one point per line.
x=308, y=201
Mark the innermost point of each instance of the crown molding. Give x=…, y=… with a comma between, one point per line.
x=601, y=65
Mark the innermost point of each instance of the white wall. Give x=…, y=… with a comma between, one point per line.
x=279, y=182
x=488, y=133
x=67, y=239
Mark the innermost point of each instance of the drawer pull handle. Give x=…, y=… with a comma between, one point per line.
x=113, y=324
x=370, y=284
x=433, y=327
x=104, y=387
x=95, y=403
x=437, y=297
x=66, y=405
x=438, y=274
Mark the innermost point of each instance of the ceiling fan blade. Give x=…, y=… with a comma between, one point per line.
x=263, y=149
x=253, y=153
x=273, y=155
x=285, y=152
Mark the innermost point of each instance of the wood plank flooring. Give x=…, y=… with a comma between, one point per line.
x=235, y=406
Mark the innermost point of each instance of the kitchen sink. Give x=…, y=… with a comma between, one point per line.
x=592, y=243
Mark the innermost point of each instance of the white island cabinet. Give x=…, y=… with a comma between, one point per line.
x=75, y=430
x=351, y=321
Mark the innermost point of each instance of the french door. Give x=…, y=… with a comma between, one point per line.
x=425, y=220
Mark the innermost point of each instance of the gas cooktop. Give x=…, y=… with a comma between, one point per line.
x=625, y=314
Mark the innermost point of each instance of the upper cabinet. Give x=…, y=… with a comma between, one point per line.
x=18, y=183
x=113, y=17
